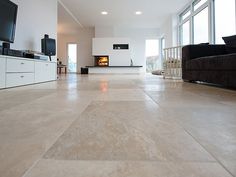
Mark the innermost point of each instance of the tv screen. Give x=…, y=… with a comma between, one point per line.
x=49, y=46
x=8, y=14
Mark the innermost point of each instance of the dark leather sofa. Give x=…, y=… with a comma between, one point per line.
x=209, y=63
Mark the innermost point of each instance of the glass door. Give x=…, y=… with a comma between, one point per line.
x=152, y=55
x=72, y=57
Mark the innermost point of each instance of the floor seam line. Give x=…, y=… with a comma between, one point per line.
x=217, y=160
x=41, y=157
x=196, y=140
x=151, y=97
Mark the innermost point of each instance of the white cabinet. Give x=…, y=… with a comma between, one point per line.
x=45, y=71
x=18, y=79
x=19, y=71
x=2, y=72
x=16, y=71
x=20, y=66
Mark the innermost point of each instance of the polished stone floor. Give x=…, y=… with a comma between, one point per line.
x=117, y=126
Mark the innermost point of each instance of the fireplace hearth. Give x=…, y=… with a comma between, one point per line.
x=102, y=61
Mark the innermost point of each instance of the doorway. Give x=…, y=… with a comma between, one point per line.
x=152, y=55
x=72, y=57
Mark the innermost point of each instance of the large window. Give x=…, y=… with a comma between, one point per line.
x=207, y=21
x=185, y=26
x=200, y=23
x=186, y=33
x=224, y=19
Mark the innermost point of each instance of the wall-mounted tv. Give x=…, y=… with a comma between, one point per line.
x=8, y=15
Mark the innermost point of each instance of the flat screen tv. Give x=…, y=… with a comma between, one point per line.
x=8, y=15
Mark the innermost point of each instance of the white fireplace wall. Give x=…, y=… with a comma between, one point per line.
x=104, y=47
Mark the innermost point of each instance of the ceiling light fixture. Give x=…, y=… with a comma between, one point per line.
x=104, y=13
x=138, y=13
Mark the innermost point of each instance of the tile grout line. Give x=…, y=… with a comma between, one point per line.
x=218, y=161
x=41, y=157
x=150, y=97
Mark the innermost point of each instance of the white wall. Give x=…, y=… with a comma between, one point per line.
x=104, y=46
x=104, y=31
x=169, y=30
x=137, y=38
x=35, y=18
x=83, y=38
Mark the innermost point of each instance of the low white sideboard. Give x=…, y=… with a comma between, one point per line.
x=16, y=71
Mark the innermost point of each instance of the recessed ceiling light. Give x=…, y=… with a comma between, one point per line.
x=138, y=13
x=104, y=13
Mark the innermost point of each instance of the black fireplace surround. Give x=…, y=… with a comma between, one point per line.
x=215, y=64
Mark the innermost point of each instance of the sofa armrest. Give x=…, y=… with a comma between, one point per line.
x=190, y=52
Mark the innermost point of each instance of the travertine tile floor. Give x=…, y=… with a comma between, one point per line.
x=117, y=126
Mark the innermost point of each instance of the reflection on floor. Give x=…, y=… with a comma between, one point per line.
x=117, y=126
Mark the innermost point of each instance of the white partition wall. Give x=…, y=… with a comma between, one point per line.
x=102, y=46
x=118, y=56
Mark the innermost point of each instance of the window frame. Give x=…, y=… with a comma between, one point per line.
x=211, y=20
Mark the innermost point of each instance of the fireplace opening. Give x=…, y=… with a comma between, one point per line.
x=101, y=60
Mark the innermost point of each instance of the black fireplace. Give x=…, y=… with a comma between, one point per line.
x=102, y=61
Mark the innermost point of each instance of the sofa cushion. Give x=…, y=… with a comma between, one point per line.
x=220, y=62
x=230, y=42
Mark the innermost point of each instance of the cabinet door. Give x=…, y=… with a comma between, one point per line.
x=2, y=72
x=45, y=71
x=19, y=79
x=52, y=71
x=20, y=66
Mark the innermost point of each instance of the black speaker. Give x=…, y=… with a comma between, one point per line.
x=6, y=45
x=84, y=70
x=1, y=51
x=48, y=46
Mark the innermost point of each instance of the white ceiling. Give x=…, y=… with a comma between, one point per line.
x=121, y=12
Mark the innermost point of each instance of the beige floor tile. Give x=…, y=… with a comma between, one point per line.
x=118, y=131
x=136, y=125
x=123, y=95
x=51, y=168
x=11, y=98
